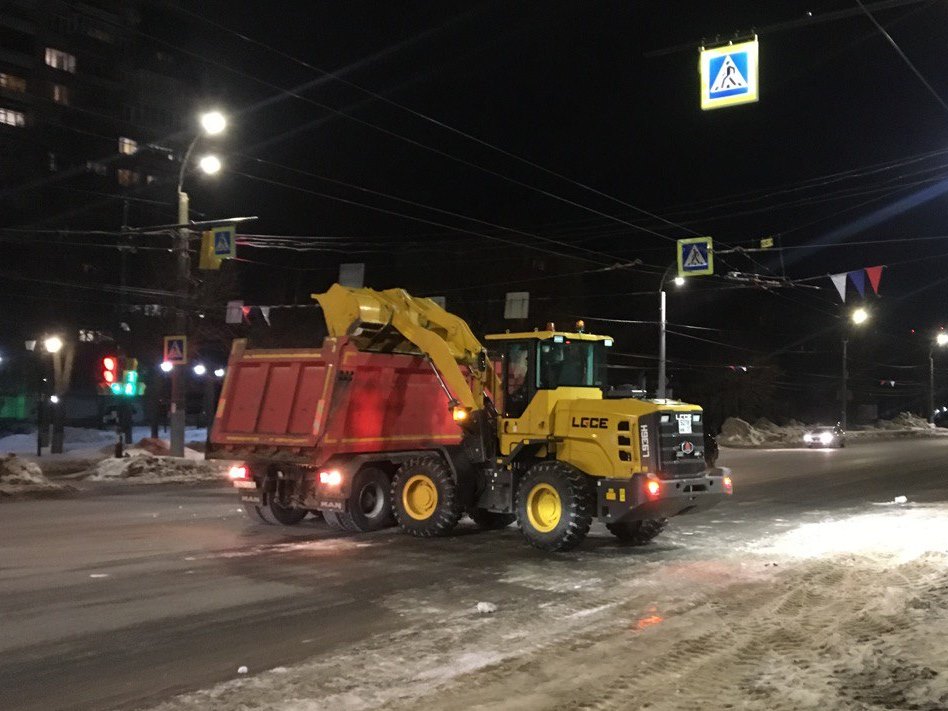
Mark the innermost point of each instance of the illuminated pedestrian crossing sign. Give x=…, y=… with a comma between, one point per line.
x=729, y=75
x=224, y=243
x=695, y=256
x=176, y=350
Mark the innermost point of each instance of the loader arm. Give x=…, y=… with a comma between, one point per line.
x=393, y=321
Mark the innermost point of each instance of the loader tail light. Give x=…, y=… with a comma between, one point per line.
x=238, y=472
x=331, y=478
x=653, y=488
x=728, y=485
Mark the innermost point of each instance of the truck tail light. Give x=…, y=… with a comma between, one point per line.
x=653, y=488
x=333, y=477
x=238, y=472
x=728, y=485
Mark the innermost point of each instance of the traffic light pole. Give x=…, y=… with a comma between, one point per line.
x=178, y=410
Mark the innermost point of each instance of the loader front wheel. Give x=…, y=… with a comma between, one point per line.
x=491, y=520
x=554, y=506
x=637, y=532
x=425, y=498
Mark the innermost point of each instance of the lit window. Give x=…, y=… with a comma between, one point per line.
x=12, y=83
x=12, y=118
x=127, y=177
x=61, y=94
x=127, y=146
x=58, y=59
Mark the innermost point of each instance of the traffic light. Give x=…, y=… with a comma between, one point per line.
x=109, y=373
x=125, y=386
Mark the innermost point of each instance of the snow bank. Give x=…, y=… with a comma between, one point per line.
x=763, y=433
x=21, y=477
x=142, y=467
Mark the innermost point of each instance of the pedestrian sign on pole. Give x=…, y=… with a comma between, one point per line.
x=225, y=243
x=729, y=75
x=695, y=256
x=176, y=350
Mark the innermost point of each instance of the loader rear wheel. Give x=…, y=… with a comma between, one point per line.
x=554, y=506
x=370, y=503
x=491, y=520
x=637, y=532
x=425, y=498
x=273, y=513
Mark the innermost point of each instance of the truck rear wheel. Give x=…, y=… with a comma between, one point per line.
x=425, y=498
x=274, y=514
x=554, y=506
x=637, y=532
x=370, y=503
x=491, y=520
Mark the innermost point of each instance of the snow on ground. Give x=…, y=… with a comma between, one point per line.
x=847, y=613
x=142, y=467
x=20, y=477
x=763, y=433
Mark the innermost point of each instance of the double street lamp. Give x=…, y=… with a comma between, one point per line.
x=212, y=124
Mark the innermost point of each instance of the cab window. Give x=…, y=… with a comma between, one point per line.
x=570, y=363
x=517, y=381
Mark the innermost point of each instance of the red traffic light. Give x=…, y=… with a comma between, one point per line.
x=109, y=369
x=108, y=363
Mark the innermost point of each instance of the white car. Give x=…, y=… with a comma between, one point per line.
x=825, y=437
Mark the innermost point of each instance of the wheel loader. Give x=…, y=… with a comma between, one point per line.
x=403, y=416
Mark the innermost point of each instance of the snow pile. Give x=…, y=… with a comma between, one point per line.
x=19, y=476
x=904, y=421
x=142, y=467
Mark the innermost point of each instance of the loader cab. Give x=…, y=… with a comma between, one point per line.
x=546, y=360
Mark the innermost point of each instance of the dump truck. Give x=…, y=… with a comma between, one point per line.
x=402, y=416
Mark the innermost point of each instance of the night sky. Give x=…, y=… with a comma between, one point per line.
x=845, y=145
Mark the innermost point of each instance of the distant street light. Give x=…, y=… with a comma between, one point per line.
x=53, y=344
x=166, y=366
x=212, y=124
x=219, y=372
x=210, y=164
x=940, y=341
x=199, y=369
x=54, y=399
x=858, y=318
x=678, y=281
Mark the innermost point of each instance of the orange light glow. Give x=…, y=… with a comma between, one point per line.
x=460, y=414
x=653, y=488
x=728, y=485
x=651, y=620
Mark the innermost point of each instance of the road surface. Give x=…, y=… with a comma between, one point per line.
x=788, y=595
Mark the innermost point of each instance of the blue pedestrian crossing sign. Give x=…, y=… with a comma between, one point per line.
x=695, y=256
x=225, y=246
x=729, y=75
x=176, y=350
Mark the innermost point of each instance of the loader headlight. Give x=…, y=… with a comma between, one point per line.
x=826, y=437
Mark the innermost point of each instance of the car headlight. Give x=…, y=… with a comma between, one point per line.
x=826, y=437
x=807, y=437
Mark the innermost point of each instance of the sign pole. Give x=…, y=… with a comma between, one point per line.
x=178, y=409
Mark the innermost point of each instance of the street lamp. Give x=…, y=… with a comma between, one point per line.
x=941, y=340
x=678, y=281
x=212, y=124
x=200, y=369
x=166, y=366
x=53, y=344
x=858, y=318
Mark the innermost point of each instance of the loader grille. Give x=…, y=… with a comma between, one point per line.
x=680, y=452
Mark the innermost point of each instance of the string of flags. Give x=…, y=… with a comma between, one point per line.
x=858, y=278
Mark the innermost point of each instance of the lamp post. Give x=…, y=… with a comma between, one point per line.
x=941, y=340
x=212, y=123
x=858, y=318
x=678, y=281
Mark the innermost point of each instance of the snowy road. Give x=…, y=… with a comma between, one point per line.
x=809, y=589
